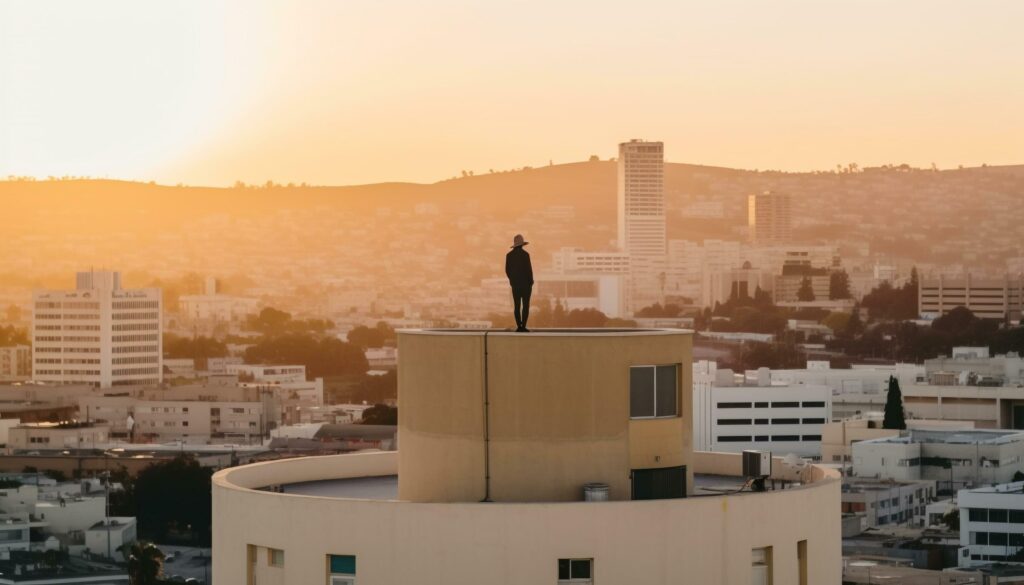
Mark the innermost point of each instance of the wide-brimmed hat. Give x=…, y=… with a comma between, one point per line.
x=518, y=241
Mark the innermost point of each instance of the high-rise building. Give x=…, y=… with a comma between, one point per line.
x=641, y=220
x=641, y=198
x=770, y=218
x=98, y=334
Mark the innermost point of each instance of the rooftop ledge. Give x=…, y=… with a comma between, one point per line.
x=371, y=476
x=553, y=332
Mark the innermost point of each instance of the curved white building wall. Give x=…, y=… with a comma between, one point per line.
x=692, y=540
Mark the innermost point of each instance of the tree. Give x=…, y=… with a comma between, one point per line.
x=839, y=285
x=894, y=415
x=196, y=348
x=270, y=321
x=952, y=519
x=324, y=356
x=366, y=337
x=380, y=414
x=657, y=310
x=1018, y=475
x=173, y=497
x=376, y=389
x=806, y=292
x=145, y=562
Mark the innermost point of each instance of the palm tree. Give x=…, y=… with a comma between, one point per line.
x=145, y=562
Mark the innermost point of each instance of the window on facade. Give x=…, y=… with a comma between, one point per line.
x=733, y=405
x=761, y=566
x=575, y=570
x=814, y=404
x=341, y=569
x=1017, y=516
x=785, y=405
x=734, y=421
x=653, y=391
x=997, y=538
x=275, y=557
x=995, y=515
x=979, y=538
x=760, y=405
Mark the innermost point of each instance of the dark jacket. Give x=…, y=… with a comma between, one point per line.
x=518, y=268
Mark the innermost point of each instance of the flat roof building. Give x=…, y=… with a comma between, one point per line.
x=770, y=218
x=988, y=298
x=954, y=458
x=991, y=524
x=559, y=456
x=98, y=334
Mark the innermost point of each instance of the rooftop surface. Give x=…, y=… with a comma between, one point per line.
x=578, y=331
x=955, y=436
x=386, y=487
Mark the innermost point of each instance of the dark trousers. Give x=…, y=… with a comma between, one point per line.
x=521, y=304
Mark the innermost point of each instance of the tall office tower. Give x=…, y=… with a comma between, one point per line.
x=641, y=203
x=641, y=233
x=99, y=333
x=770, y=218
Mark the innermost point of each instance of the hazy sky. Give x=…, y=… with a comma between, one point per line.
x=338, y=91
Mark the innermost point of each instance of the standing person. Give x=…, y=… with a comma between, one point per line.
x=520, y=275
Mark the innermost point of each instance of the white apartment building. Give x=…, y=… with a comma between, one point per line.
x=191, y=414
x=860, y=378
x=963, y=458
x=974, y=363
x=212, y=306
x=988, y=298
x=889, y=503
x=15, y=361
x=641, y=199
x=98, y=334
x=267, y=373
x=987, y=407
x=569, y=260
x=770, y=218
x=603, y=292
x=991, y=523
x=733, y=416
x=641, y=219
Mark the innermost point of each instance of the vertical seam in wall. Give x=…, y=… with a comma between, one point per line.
x=487, y=424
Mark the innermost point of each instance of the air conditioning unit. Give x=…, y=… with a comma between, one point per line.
x=342, y=580
x=757, y=463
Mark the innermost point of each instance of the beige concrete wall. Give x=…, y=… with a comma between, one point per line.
x=656, y=542
x=558, y=413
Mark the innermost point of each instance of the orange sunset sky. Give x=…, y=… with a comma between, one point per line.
x=339, y=92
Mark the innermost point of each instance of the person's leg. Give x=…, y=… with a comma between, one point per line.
x=526, y=304
x=516, y=302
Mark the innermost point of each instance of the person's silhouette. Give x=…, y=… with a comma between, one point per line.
x=520, y=275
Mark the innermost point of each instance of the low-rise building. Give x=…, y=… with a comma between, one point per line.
x=954, y=459
x=838, y=437
x=988, y=298
x=63, y=435
x=888, y=502
x=733, y=415
x=974, y=366
x=991, y=524
x=16, y=362
x=106, y=537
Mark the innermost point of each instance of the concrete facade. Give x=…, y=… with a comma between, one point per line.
x=558, y=413
x=98, y=334
x=540, y=414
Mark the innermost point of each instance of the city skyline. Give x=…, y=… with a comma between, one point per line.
x=212, y=94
